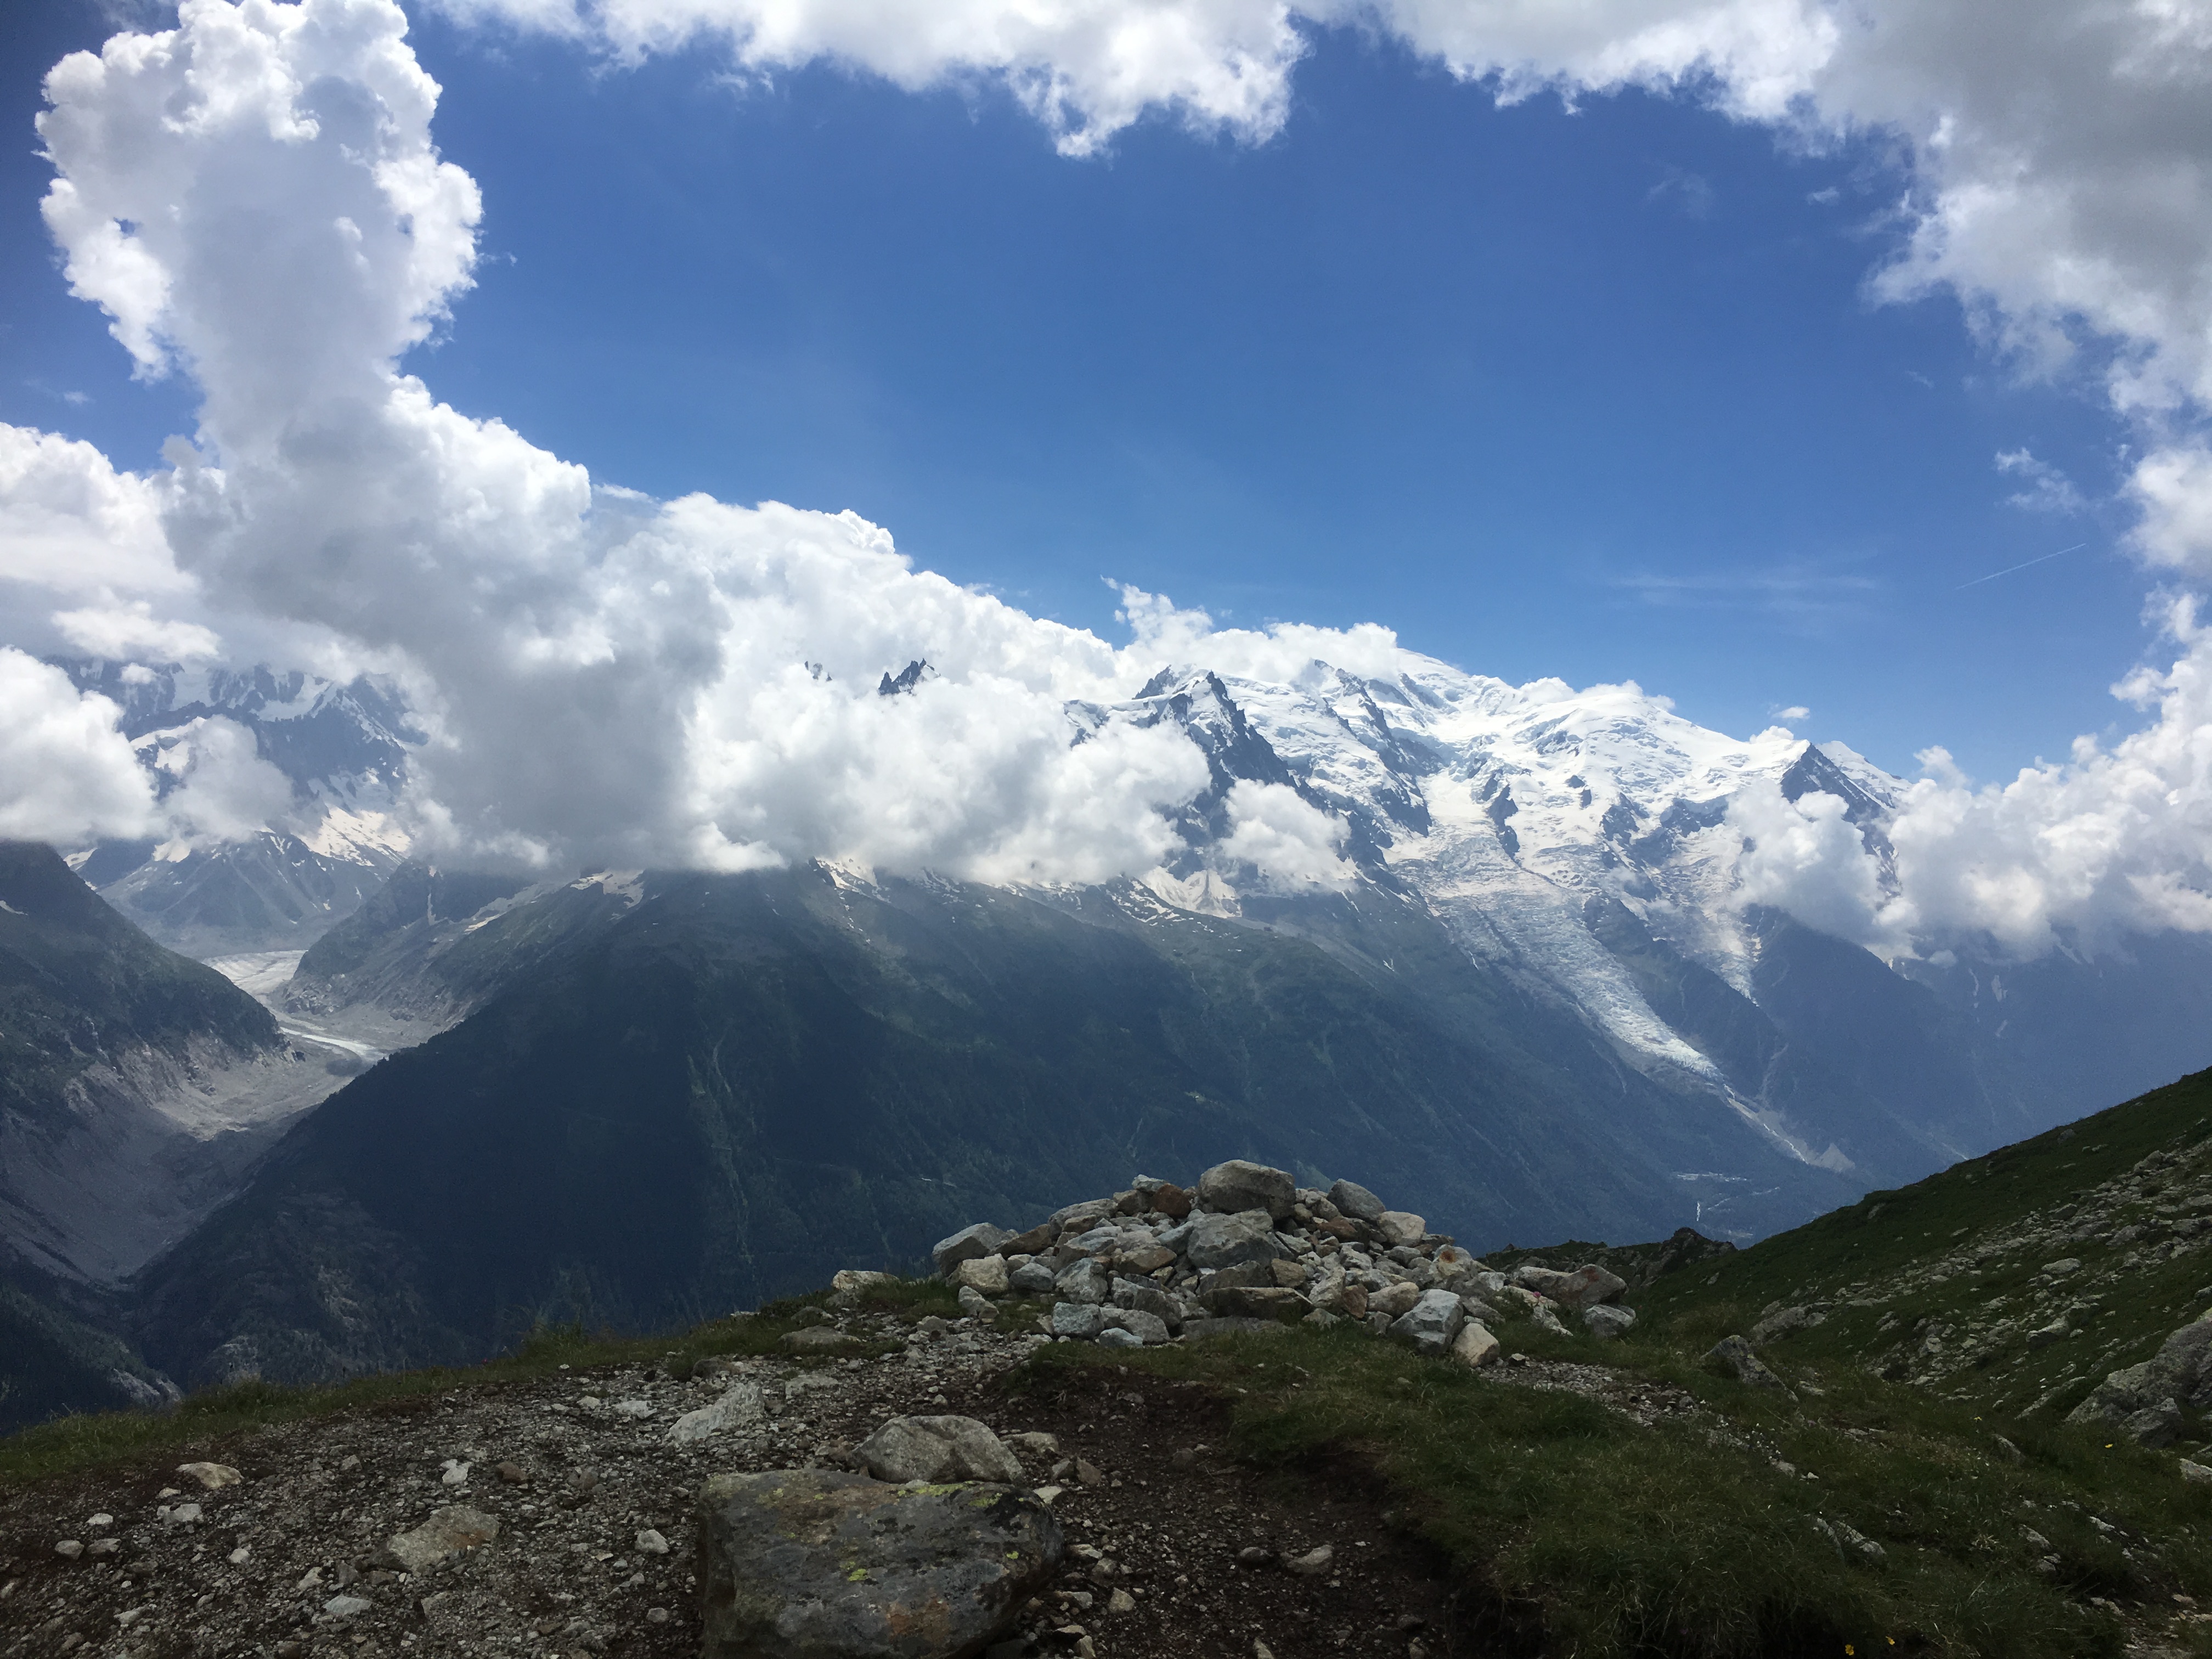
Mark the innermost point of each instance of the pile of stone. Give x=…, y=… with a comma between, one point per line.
x=1247, y=1248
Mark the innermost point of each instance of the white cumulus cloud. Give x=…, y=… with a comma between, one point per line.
x=66, y=774
x=255, y=199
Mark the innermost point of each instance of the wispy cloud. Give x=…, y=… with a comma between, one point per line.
x=1690, y=193
x=1804, y=594
x=2049, y=490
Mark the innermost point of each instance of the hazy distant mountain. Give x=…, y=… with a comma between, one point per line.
x=344, y=749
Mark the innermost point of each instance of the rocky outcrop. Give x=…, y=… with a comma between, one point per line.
x=1253, y=1249
x=2145, y=1400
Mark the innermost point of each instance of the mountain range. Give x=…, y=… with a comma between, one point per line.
x=1530, y=1001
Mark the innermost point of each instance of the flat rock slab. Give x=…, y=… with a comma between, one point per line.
x=449, y=1532
x=804, y=1563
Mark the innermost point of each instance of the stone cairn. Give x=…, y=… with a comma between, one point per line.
x=1247, y=1249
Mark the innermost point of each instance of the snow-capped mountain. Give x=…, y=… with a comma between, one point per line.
x=1586, y=848
x=276, y=887
x=1589, y=845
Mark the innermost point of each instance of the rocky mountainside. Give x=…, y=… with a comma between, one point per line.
x=686, y=1093
x=136, y=1088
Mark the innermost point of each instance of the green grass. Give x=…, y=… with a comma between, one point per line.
x=1626, y=1541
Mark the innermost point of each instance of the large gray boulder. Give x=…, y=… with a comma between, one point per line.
x=1223, y=1241
x=1032, y=1278
x=1607, y=1323
x=1083, y=1281
x=1236, y=1185
x=1147, y=1328
x=1091, y=1209
x=1145, y=1297
x=1081, y=1320
x=738, y=1408
x=1431, y=1323
x=1402, y=1227
x=1586, y=1287
x=1736, y=1353
x=799, y=1564
x=937, y=1450
x=1356, y=1201
x=968, y=1244
x=2176, y=1371
x=1259, y=1302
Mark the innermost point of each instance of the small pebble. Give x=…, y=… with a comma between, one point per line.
x=656, y=1615
x=71, y=1547
x=650, y=1542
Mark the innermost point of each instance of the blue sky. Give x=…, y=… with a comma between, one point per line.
x=1598, y=394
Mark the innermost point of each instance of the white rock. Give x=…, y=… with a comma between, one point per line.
x=211, y=1476
x=1402, y=1227
x=938, y=1449
x=739, y=1407
x=1475, y=1346
x=986, y=1274
x=1432, y=1322
x=650, y=1542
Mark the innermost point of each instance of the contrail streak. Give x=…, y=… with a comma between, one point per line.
x=1994, y=575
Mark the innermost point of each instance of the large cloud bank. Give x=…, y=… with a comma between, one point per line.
x=255, y=200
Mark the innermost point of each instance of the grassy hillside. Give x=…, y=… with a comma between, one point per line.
x=1941, y=1284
